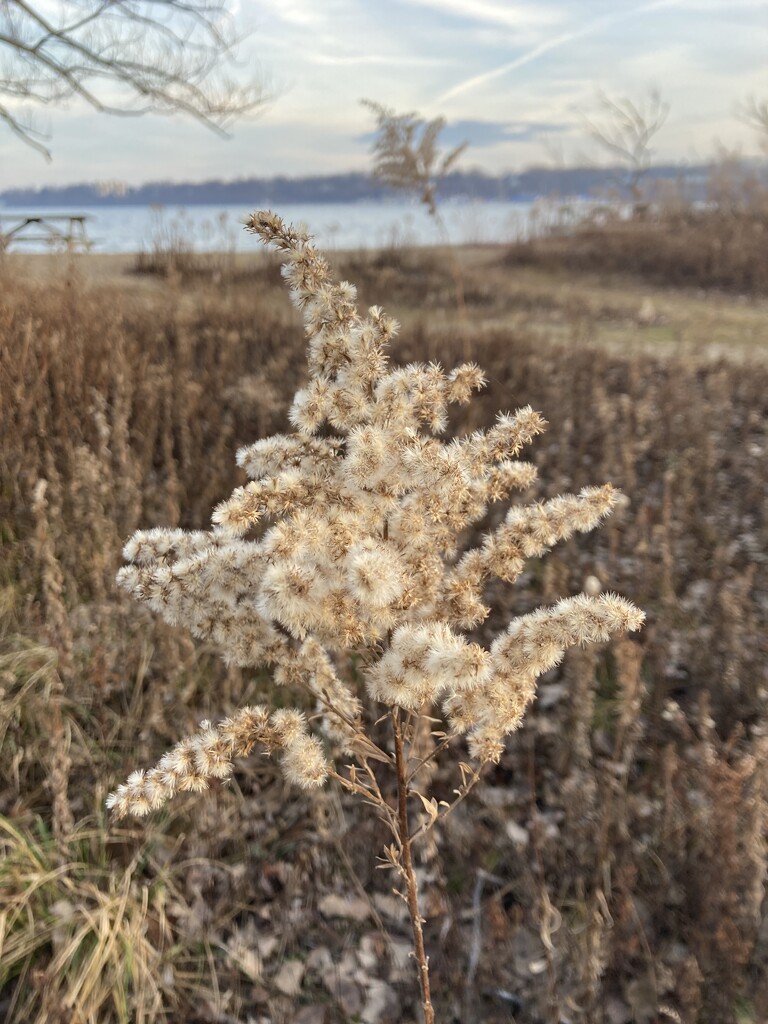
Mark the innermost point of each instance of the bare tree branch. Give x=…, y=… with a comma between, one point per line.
x=25, y=132
x=128, y=57
x=755, y=113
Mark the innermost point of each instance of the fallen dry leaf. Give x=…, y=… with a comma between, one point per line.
x=288, y=978
x=353, y=908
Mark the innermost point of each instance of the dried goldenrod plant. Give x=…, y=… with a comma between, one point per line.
x=340, y=566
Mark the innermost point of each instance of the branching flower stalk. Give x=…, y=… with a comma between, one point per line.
x=340, y=566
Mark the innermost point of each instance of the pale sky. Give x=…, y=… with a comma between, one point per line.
x=513, y=78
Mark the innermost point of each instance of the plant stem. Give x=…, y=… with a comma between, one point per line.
x=408, y=872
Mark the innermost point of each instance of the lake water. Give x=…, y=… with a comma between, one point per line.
x=364, y=225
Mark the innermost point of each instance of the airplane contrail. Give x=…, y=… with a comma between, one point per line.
x=552, y=44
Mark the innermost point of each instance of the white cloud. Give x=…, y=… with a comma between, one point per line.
x=300, y=13
x=392, y=59
x=507, y=15
x=592, y=27
x=468, y=59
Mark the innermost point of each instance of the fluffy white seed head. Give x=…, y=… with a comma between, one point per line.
x=375, y=573
x=347, y=548
x=304, y=762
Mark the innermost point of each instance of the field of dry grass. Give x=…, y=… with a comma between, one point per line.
x=718, y=243
x=611, y=869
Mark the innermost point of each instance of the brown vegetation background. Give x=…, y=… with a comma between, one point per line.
x=611, y=869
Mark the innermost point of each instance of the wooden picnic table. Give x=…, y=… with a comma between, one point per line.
x=58, y=230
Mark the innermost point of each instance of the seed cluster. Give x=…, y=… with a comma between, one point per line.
x=347, y=539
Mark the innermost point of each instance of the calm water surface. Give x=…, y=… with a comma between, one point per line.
x=364, y=225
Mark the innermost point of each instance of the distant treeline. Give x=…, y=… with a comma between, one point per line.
x=353, y=187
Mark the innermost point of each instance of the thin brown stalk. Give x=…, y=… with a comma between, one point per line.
x=412, y=892
x=546, y=911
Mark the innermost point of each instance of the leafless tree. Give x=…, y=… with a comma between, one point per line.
x=625, y=129
x=755, y=113
x=126, y=57
x=406, y=153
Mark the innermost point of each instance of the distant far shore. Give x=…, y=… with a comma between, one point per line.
x=356, y=186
